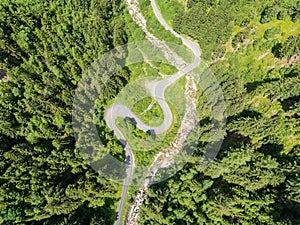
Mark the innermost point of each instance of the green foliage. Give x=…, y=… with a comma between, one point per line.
x=169, y=9
x=240, y=37
x=211, y=23
x=45, y=47
x=281, y=10
x=254, y=178
x=287, y=49
x=154, y=26
x=269, y=13
x=271, y=32
x=149, y=111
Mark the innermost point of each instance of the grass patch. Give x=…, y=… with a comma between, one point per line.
x=256, y=55
x=140, y=70
x=154, y=27
x=146, y=145
x=148, y=111
x=167, y=69
x=169, y=9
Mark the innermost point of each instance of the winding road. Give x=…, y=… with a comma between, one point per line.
x=157, y=90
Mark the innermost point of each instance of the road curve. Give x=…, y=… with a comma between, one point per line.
x=157, y=90
x=191, y=45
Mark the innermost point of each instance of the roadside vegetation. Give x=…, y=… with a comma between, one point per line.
x=148, y=111
x=45, y=47
x=253, y=50
x=161, y=33
x=146, y=145
x=169, y=9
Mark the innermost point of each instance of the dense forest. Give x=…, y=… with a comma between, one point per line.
x=45, y=46
x=253, y=50
x=211, y=23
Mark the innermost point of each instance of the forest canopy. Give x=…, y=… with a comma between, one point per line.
x=252, y=47
x=45, y=46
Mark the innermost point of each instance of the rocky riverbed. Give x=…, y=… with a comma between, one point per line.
x=164, y=158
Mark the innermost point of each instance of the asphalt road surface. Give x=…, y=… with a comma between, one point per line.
x=157, y=90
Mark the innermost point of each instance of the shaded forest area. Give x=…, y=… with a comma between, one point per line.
x=45, y=46
x=211, y=22
x=253, y=50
